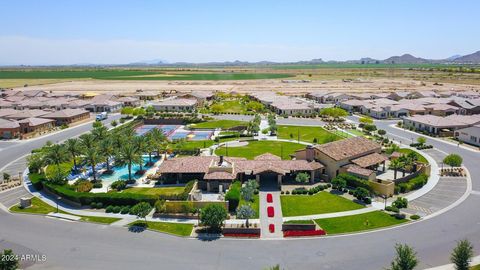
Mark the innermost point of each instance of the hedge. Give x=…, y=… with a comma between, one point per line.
x=37, y=180
x=114, y=198
x=413, y=184
x=233, y=196
x=353, y=181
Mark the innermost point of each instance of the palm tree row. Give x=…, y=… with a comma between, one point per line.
x=102, y=145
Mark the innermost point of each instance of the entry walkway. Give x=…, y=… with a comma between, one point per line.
x=265, y=221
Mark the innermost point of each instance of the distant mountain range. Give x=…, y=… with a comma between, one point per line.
x=473, y=58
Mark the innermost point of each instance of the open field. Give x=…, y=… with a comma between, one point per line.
x=256, y=148
x=244, y=79
x=355, y=223
x=306, y=134
x=320, y=203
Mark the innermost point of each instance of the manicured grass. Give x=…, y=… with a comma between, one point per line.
x=306, y=134
x=65, y=168
x=229, y=106
x=476, y=267
x=190, y=145
x=421, y=158
x=356, y=132
x=223, y=124
x=255, y=204
x=341, y=134
x=180, y=229
x=155, y=191
x=355, y=223
x=103, y=220
x=320, y=203
x=308, y=221
x=38, y=207
x=256, y=148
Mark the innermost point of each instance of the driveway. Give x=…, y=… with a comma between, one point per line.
x=265, y=221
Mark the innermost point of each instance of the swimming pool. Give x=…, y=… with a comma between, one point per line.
x=121, y=172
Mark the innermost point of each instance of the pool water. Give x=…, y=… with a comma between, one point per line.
x=176, y=132
x=121, y=172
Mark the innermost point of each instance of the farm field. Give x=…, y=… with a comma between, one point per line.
x=256, y=148
x=112, y=74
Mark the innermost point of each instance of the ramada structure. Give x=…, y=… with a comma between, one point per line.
x=358, y=156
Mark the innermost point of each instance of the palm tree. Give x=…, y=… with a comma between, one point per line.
x=150, y=147
x=108, y=150
x=158, y=139
x=128, y=155
x=141, y=146
x=100, y=133
x=405, y=163
x=73, y=148
x=395, y=165
x=88, y=141
x=92, y=157
x=56, y=154
x=413, y=158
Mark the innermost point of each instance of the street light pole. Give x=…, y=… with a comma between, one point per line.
x=58, y=200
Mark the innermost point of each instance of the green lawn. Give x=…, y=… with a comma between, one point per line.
x=255, y=204
x=341, y=134
x=355, y=223
x=65, y=168
x=155, y=191
x=476, y=267
x=306, y=134
x=223, y=124
x=255, y=148
x=421, y=158
x=308, y=221
x=190, y=145
x=38, y=207
x=180, y=229
x=229, y=106
x=103, y=220
x=356, y=132
x=320, y=203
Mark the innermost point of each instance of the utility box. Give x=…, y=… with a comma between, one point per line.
x=25, y=202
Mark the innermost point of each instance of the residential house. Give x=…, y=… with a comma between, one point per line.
x=442, y=126
x=174, y=104
x=67, y=116
x=470, y=135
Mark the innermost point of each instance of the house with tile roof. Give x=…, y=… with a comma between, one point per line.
x=469, y=135
x=442, y=126
x=217, y=173
x=67, y=116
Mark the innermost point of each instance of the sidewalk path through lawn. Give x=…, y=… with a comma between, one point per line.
x=265, y=221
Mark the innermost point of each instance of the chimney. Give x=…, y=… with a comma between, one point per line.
x=221, y=161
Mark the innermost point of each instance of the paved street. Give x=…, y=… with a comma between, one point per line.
x=89, y=246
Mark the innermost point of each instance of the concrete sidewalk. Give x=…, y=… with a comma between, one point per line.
x=265, y=221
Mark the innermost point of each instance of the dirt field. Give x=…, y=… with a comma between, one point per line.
x=332, y=79
x=125, y=87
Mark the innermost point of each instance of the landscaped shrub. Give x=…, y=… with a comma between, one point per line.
x=125, y=210
x=109, y=209
x=83, y=186
x=93, y=205
x=367, y=200
x=414, y=217
x=413, y=184
x=118, y=185
x=354, y=182
x=97, y=185
x=287, y=192
x=233, y=196
x=37, y=180
x=400, y=203
x=116, y=209
x=361, y=193
x=392, y=209
x=99, y=205
x=282, y=192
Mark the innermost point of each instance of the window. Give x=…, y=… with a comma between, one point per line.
x=473, y=138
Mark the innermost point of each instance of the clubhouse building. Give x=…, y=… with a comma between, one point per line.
x=358, y=156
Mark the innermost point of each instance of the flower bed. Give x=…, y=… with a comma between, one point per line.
x=244, y=235
x=303, y=233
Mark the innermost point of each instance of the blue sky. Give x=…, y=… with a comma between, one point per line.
x=111, y=32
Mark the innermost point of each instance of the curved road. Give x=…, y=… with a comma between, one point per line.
x=70, y=245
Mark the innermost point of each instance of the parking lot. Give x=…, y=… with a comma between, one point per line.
x=446, y=192
x=11, y=197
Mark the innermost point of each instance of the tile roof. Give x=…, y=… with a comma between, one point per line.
x=8, y=124
x=176, y=102
x=7, y=112
x=27, y=114
x=267, y=156
x=369, y=160
x=219, y=176
x=67, y=113
x=348, y=148
x=33, y=121
x=354, y=169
